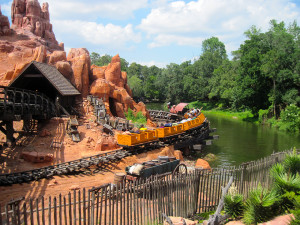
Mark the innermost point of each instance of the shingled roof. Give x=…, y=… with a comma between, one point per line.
x=63, y=86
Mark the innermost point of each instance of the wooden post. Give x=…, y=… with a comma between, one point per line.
x=24, y=214
x=43, y=211
x=37, y=211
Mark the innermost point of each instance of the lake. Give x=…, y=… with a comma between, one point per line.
x=244, y=141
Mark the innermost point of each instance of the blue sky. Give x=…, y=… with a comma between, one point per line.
x=159, y=32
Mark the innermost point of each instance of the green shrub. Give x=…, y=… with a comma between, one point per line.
x=234, y=205
x=290, y=118
x=286, y=180
x=263, y=115
x=291, y=163
x=139, y=118
x=296, y=212
x=261, y=206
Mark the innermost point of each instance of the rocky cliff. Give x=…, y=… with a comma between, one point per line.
x=31, y=37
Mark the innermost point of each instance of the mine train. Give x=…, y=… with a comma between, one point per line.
x=163, y=134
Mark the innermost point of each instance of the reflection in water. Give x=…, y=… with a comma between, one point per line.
x=242, y=141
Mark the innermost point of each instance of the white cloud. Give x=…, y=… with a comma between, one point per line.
x=153, y=63
x=187, y=23
x=166, y=39
x=98, y=34
x=79, y=9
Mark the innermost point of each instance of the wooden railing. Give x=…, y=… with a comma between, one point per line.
x=141, y=202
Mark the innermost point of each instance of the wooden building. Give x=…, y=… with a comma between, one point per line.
x=48, y=80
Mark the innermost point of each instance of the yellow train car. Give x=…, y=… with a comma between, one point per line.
x=159, y=133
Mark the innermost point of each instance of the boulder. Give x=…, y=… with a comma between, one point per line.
x=178, y=155
x=80, y=61
x=37, y=157
x=101, y=89
x=106, y=143
x=4, y=25
x=65, y=69
x=45, y=133
x=40, y=54
x=57, y=56
x=98, y=72
x=202, y=164
x=180, y=221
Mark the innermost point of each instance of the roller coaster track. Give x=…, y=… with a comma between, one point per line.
x=103, y=160
x=17, y=104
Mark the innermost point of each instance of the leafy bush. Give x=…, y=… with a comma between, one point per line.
x=234, y=205
x=139, y=118
x=261, y=206
x=290, y=118
x=296, y=212
x=263, y=115
x=286, y=180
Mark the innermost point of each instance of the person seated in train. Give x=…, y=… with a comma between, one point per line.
x=142, y=128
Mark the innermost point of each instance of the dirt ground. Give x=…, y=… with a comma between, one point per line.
x=10, y=160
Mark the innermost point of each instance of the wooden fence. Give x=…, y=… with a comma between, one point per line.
x=142, y=202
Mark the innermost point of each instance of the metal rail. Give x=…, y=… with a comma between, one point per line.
x=104, y=159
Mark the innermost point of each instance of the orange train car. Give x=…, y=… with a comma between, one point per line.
x=159, y=133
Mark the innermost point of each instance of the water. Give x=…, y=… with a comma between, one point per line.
x=243, y=141
x=155, y=105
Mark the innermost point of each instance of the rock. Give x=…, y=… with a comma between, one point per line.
x=210, y=157
x=31, y=17
x=101, y=89
x=57, y=56
x=74, y=187
x=178, y=155
x=40, y=54
x=45, y=133
x=4, y=25
x=202, y=164
x=37, y=157
x=80, y=61
x=8, y=75
x=106, y=143
x=180, y=221
x=97, y=72
x=65, y=69
x=5, y=46
x=18, y=69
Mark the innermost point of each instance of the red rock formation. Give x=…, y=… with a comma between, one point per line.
x=111, y=82
x=65, y=69
x=81, y=63
x=201, y=163
x=30, y=16
x=106, y=143
x=57, y=56
x=4, y=25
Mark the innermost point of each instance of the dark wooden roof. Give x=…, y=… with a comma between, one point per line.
x=63, y=86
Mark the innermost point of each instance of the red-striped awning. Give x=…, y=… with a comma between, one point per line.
x=178, y=108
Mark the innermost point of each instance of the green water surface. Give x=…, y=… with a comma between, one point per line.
x=242, y=141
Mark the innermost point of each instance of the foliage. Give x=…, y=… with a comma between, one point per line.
x=291, y=118
x=286, y=180
x=296, y=212
x=261, y=206
x=137, y=118
x=234, y=205
x=263, y=76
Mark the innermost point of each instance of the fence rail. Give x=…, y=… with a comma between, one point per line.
x=141, y=202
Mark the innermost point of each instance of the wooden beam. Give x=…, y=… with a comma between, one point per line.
x=33, y=75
